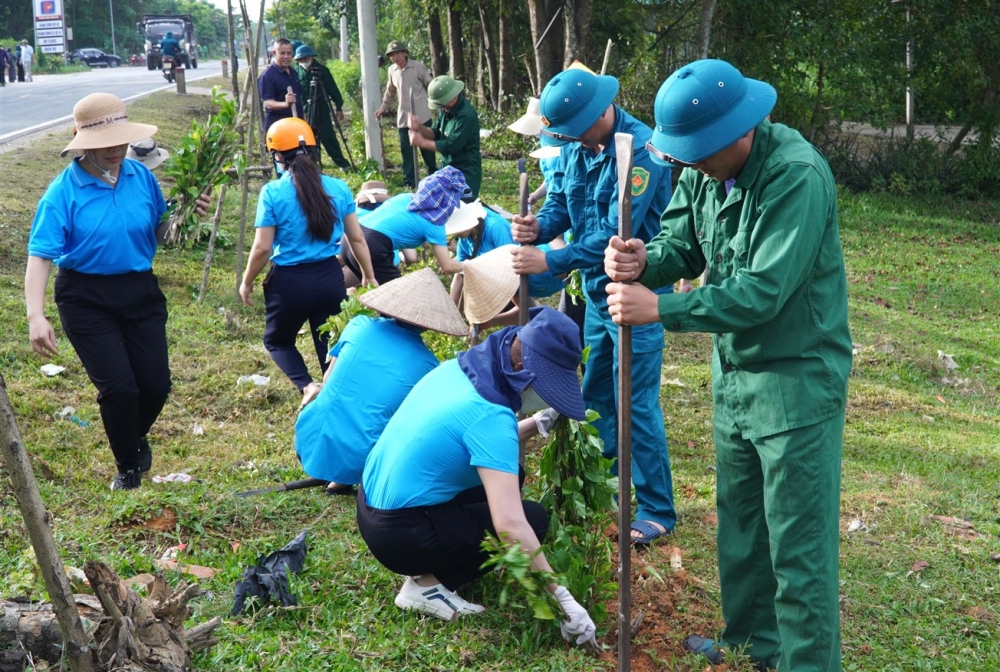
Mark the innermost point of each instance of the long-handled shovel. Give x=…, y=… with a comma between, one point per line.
x=295, y=110
x=623, y=147
x=523, y=298
x=415, y=150
x=285, y=487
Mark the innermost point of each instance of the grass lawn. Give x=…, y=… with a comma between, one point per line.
x=920, y=472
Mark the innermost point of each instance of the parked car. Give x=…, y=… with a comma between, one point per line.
x=95, y=58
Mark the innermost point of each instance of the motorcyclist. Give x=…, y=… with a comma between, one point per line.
x=170, y=45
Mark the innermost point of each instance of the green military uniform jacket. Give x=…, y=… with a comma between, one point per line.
x=456, y=134
x=776, y=295
x=322, y=117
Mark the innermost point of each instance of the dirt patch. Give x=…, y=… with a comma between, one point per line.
x=674, y=605
x=164, y=522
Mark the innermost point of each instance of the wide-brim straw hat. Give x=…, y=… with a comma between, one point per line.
x=372, y=191
x=418, y=298
x=530, y=123
x=490, y=283
x=101, y=122
x=148, y=153
x=465, y=218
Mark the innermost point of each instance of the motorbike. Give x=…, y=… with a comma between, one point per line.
x=169, y=68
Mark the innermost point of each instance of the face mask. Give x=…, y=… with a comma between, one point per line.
x=306, y=64
x=531, y=402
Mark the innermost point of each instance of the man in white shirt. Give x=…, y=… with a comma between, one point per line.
x=407, y=76
x=27, y=56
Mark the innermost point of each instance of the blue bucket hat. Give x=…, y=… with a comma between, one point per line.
x=574, y=100
x=304, y=51
x=550, y=348
x=706, y=106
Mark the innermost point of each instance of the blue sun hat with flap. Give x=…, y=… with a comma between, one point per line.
x=574, y=100
x=706, y=106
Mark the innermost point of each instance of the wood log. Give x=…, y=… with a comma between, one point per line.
x=36, y=627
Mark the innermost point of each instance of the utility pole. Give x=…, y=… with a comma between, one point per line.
x=111, y=10
x=371, y=91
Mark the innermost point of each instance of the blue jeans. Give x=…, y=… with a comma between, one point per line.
x=654, y=489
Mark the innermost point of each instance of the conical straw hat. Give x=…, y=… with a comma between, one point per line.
x=418, y=298
x=490, y=282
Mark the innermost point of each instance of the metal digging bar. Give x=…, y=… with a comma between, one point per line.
x=623, y=147
x=523, y=298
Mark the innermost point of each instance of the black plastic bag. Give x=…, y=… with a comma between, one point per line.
x=269, y=577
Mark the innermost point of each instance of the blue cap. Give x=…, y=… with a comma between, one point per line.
x=305, y=51
x=296, y=44
x=550, y=348
x=574, y=100
x=706, y=106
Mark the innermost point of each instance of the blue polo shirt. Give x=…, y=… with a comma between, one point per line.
x=404, y=228
x=586, y=203
x=273, y=85
x=279, y=206
x=432, y=446
x=86, y=225
x=497, y=234
x=378, y=362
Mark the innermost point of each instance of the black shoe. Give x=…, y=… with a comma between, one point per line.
x=126, y=480
x=145, y=456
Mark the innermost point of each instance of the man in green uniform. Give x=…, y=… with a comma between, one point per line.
x=455, y=132
x=758, y=205
x=319, y=100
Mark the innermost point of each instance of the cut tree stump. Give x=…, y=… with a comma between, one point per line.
x=139, y=634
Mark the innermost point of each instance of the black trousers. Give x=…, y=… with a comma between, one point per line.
x=429, y=156
x=443, y=540
x=381, y=252
x=117, y=325
x=293, y=295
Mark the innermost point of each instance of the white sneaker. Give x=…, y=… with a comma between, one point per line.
x=435, y=600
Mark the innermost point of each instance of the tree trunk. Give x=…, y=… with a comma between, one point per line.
x=545, y=35
x=577, y=15
x=36, y=519
x=705, y=27
x=438, y=64
x=505, y=77
x=489, y=51
x=456, y=51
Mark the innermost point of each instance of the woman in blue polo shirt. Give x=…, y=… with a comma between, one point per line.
x=374, y=364
x=301, y=218
x=99, y=223
x=410, y=220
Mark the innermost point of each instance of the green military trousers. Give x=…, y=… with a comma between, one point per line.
x=779, y=505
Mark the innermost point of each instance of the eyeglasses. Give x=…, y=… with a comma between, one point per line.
x=560, y=137
x=666, y=157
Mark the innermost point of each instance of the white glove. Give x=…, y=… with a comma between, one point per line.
x=545, y=420
x=578, y=627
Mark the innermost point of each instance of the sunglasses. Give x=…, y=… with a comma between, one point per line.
x=560, y=137
x=666, y=157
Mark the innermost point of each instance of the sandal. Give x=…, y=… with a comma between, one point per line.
x=705, y=646
x=649, y=532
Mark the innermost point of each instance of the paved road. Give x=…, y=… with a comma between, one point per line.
x=49, y=100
